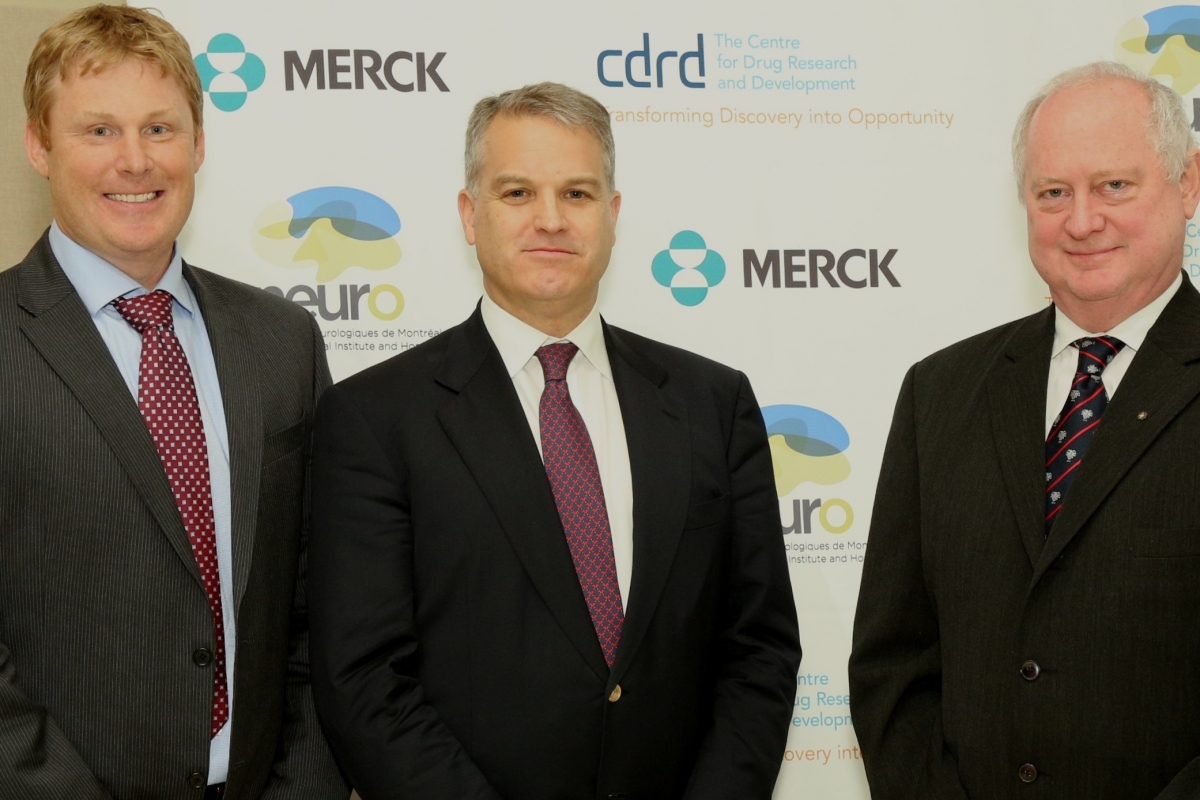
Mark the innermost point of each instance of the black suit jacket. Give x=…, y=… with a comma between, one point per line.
x=961, y=590
x=453, y=652
x=101, y=604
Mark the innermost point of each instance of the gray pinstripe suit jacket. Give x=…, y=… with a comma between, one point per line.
x=101, y=605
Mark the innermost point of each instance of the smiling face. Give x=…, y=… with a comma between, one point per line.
x=543, y=220
x=1106, y=226
x=121, y=159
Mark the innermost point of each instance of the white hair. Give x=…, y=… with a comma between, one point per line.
x=1168, y=128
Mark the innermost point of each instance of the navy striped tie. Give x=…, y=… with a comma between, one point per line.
x=1078, y=421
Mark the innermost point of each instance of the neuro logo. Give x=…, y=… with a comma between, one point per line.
x=1164, y=43
x=333, y=227
x=807, y=445
x=688, y=268
x=228, y=73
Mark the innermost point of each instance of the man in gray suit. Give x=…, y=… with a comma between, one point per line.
x=1027, y=623
x=153, y=460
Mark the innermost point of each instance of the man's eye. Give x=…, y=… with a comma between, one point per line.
x=1054, y=194
x=158, y=130
x=518, y=193
x=1115, y=185
x=100, y=130
x=577, y=194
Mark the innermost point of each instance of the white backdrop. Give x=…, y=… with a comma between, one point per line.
x=861, y=125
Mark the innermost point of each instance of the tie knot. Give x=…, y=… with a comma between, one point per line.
x=147, y=310
x=1095, y=352
x=555, y=359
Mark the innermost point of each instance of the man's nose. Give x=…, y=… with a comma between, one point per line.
x=134, y=157
x=549, y=215
x=1085, y=218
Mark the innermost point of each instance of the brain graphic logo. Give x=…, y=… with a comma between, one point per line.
x=335, y=227
x=807, y=445
x=688, y=268
x=228, y=73
x=1164, y=43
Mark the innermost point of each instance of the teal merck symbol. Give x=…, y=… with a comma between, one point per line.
x=228, y=73
x=688, y=268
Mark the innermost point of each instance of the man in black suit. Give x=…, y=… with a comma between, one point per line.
x=154, y=450
x=1027, y=622
x=547, y=559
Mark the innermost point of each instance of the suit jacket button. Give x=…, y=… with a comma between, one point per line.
x=1027, y=773
x=202, y=657
x=1030, y=670
x=197, y=781
x=616, y=694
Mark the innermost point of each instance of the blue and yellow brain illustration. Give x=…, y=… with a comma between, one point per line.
x=807, y=445
x=1164, y=43
x=335, y=227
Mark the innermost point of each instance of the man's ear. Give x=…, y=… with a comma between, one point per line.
x=466, y=212
x=199, y=145
x=1189, y=183
x=37, y=152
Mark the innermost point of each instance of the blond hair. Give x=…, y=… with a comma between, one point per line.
x=102, y=36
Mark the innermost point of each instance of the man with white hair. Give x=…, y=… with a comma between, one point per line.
x=1027, y=624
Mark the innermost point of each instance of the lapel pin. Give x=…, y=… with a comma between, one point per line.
x=1142, y=415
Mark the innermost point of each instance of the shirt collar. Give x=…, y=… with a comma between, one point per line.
x=518, y=342
x=98, y=282
x=1132, y=330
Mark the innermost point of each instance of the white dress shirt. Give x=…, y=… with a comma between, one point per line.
x=98, y=283
x=590, y=382
x=1065, y=358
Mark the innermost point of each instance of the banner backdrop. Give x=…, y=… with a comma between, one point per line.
x=817, y=194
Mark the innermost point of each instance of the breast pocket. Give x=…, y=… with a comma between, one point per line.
x=708, y=513
x=277, y=445
x=1159, y=543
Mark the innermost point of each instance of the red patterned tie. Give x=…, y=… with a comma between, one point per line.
x=167, y=400
x=575, y=481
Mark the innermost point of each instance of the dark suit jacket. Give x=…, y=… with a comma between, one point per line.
x=960, y=588
x=101, y=604
x=453, y=654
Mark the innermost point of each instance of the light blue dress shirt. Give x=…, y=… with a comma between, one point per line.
x=98, y=283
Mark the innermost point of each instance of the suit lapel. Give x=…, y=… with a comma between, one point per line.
x=1162, y=380
x=1017, y=395
x=486, y=424
x=238, y=378
x=59, y=327
x=656, y=432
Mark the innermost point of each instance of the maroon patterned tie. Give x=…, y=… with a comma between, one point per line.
x=575, y=481
x=168, y=402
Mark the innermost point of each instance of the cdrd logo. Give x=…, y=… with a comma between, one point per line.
x=644, y=68
x=688, y=268
x=335, y=227
x=228, y=73
x=809, y=446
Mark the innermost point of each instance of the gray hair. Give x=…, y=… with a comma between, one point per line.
x=1169, y=130
x=569, y=107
